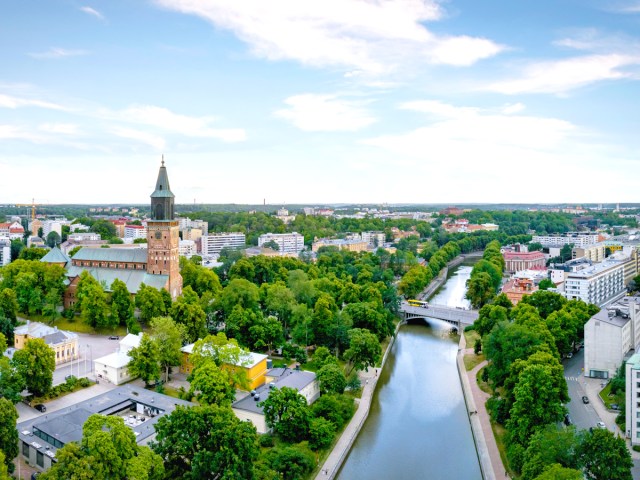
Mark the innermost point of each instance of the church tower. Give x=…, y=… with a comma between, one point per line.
x=162, y=235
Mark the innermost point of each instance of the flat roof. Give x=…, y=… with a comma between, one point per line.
x=114, y=360
x=65, y=425
x=615, y=320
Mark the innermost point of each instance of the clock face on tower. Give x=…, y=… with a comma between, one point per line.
x=158, y=235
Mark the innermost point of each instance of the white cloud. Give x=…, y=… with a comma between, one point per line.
x=55, y=52
x=439, y=108
x=311, y=112
x=564, y=75
x=513, y=108
x=372, y=36
x=93, y=12
x=63, y=128
x=8, y=101
x=147, y=138
x=165, y=119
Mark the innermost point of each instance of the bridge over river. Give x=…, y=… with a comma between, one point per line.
x=459, y=317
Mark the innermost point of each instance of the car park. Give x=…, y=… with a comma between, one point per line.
x=585, y=399
x=40, y=407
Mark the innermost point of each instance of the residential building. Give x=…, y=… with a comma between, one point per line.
x=451, y=211
x=250, y=407
x=597, y=284
x=253, y=364
x=632, y=399
x=283, y=214
x=287, y=242
x=186, y=223
x=595, y=253
x=140, y=409
x=516, y=288
x=49, y=226
x=191, y=233
x=374, y=239
x=340, y=244
x=63, y=343
x=187, y=248
x=214, y=243
x=16, y=231
x=135, y=231
x=515, y=261
x=34, y=226
x=83, y=237
x=609, y=336
x=113, y=368
x=120, y=224
x=5, y=251
x=578, y=239
x=35, y=242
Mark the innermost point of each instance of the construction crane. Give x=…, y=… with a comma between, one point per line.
x=33, y=206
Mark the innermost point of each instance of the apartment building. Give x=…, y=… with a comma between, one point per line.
x=287, y=242
x=578, y=239
x=135, y=231
x=597, y=283
x=214, y=243
x=5, y=251
x=595, y=253
x=632, y=401
x=373, y=239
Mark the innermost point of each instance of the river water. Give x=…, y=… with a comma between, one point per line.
x=418, y=426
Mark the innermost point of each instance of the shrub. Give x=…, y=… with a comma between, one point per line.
x=266, y=440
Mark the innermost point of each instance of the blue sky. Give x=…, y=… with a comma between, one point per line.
x=298, y=101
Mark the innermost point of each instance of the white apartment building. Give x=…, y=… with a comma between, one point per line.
x=632, y=401
x=187, y=248
x=608, y=336
x=214, y=243
x=135, y=231
x=578, y=239
x=595, y=253
x=597, y=283
x=84, y=236
x=373, y=239
x=185, y=223
x=287, y=242
x=49, y=226
x=5, y=251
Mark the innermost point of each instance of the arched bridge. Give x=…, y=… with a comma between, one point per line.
x=455, y=316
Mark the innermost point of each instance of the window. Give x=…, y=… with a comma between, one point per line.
x=25, y=449
x=40, y=459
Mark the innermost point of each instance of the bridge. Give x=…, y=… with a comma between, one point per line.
x=457, y=317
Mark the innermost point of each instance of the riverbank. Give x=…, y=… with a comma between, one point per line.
x=488, y=453
x=369, y=380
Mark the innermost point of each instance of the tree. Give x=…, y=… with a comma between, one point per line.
x=8, y=432
x=4, y=471
x=267, y=332
x=145, y=360
x=321, y=433
x=605, y=456
x=73, y=251
x=12, y=383
x=212, y=384
x=105, y=228
x=122, y=305
x=168, y=336
x=150, y=303
x=36, y=363
x=272, y=244
x=108, y=449
x=94, y=307
x=546, y=284
x=480, y=289
x=9, y=305
x=550, y=446
x=217, y=445
x=238, y=292
x=53, y=239
x=192, y=317
x=32, y=253
x=535, y=247
x=364, y=349
x=338, y=409
x=558, y=472
x=16, y=247
x=287, y=412
x=292, y=462
x=332, y=378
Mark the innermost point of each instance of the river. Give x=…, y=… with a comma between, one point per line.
x=418, y=426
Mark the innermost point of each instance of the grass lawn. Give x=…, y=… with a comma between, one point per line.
x=470, y=337
x=471, y=360
x=76, y=324
x=499, y=432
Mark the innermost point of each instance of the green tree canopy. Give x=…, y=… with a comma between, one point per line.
x=8, y=432
x=36, y=363
x=605, y=456
x=145, y=360
x=287, y=412
x=364, y=349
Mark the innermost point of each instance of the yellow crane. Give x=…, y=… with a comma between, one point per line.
x=33, y=206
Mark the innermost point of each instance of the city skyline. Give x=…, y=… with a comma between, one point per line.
x=355, y=102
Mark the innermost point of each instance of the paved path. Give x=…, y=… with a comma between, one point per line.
x=341, y=449
x=488, y=453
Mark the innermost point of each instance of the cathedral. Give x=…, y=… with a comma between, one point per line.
x=156, y=266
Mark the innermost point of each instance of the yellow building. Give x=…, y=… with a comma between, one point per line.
x=64, y=344
x=253, y=364
x=349, y=245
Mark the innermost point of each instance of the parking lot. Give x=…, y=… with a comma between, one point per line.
x=90, y=347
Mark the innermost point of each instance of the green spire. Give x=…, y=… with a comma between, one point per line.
x=162, y=184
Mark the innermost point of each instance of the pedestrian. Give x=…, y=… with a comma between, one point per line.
x=367, y=381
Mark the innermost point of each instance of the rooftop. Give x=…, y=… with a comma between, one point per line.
x=132, y=278
x=51, y=335
x=133, y=255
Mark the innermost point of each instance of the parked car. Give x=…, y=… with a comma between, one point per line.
x=585, y=399
x=567, y=420
x=40, y=407
x=35, y=475
x=601, y=425
x=615, y=406
x=569, y=355
x=114, y=337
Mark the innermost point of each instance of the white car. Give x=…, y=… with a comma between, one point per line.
x=601, y=425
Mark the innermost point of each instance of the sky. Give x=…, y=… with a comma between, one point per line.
x=317, y=102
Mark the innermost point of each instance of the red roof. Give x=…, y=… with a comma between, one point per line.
x=134, y=226
x=5, y=225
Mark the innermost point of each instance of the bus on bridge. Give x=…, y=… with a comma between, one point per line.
x=418, y=303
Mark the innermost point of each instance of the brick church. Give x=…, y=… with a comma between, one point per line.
x=156, y=266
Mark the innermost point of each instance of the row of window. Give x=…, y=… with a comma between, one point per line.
x=47, y=438
x=39, y=455
x=72, y=352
